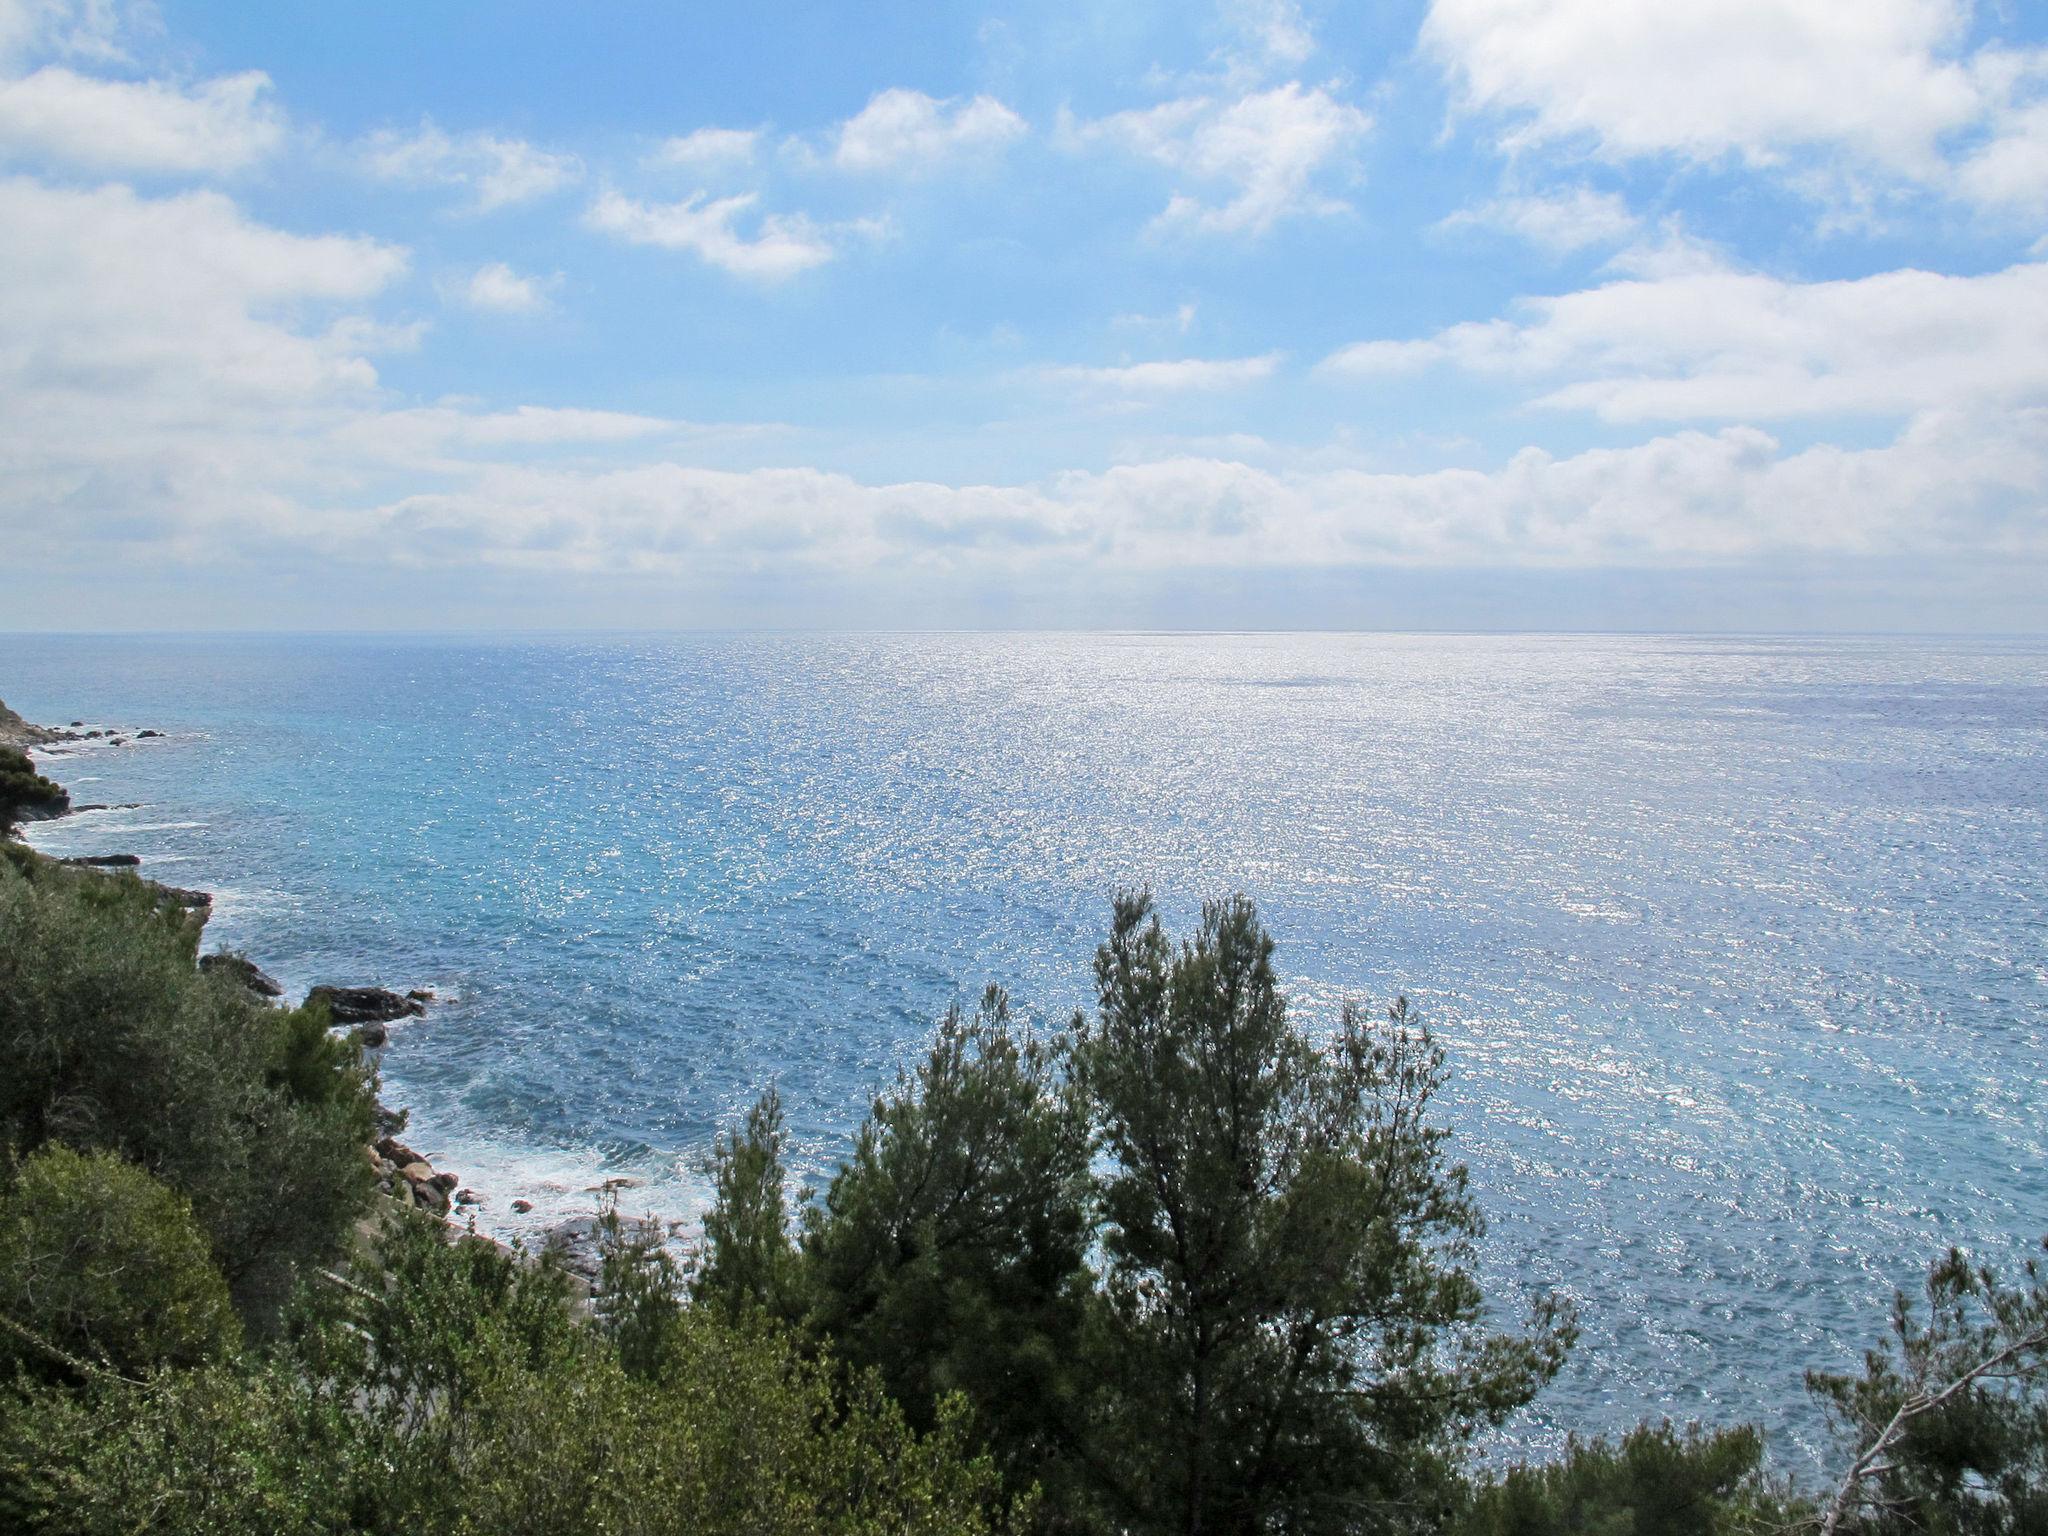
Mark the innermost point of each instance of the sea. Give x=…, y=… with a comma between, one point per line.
x=1738, y=947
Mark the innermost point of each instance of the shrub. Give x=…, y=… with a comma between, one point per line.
x=102, y=1270
x=115, y=1041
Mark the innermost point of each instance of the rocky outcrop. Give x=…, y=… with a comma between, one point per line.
x=243, y=971
x=106, y=861
x=17, y=732
x=366, y=1005
x=26, y=795
x=409, y=1178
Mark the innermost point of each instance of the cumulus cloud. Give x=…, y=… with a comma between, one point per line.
x=781, y=246
x=90, y=31
x=164, y=363
x=182, y=382
x=58, y=115
x=1254, y=160
x=1558, y=222
x=1177, y=376
x=907, y=130
x=496, y=288
x=2010, y=170
x=1753, y=78
x=1695, y=339
x=495, y=172
x=709, y=148
x=1948, y=484
x=1844, y=100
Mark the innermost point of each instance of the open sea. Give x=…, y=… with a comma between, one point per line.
x=1739, y=947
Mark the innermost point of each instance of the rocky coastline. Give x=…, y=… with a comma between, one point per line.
x=365, y=1012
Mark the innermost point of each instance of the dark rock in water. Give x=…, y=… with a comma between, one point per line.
x=141, y=735
x=196, y=902
x=108, y=861
x=468, y=1197
x=74, y=724
x=242, y=969
x=366, y=1005
x=521, y=1207
x=372, y=1037
x=579, y=1244
x=421, y=994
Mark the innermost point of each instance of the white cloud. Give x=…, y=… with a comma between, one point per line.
x=496, y=172
x=150, y=126
x=1178, y=376
x=1949, y=484
x=94, y=31
x=1276, y=28
x=495, y=287
x=902, y=129
x=1558, y=222
x=1265, y=153
x=165, y=363
x=1753, y=78
x=709, y=148
x=2011, y=169
x=1697, y=340
x=781, y=246
x=181, y=384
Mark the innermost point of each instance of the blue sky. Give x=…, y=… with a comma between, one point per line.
x=1468, y=313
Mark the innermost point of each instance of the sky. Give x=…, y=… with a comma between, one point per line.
x=1465, y=314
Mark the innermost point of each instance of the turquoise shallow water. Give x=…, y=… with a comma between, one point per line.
x=1738, y=946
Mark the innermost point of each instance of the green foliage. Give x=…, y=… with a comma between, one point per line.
x=1293, y=1328
x=24, y=793
x=948, y=1255
x=451, y=1390
x=102, y=1270
x=1654, y=1481
x=749, y=1261
x=1947, y=1426
x=115, y=1042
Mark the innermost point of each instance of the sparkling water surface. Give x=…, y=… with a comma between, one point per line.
x=1737, y=945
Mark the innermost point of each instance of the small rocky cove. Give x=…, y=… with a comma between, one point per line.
x=367, y=1012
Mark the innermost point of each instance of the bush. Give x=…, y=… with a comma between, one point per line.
x=116, y=1042
x=1654, y=1481
x=450, y=1389
x=102, y=1270
x=26, y=795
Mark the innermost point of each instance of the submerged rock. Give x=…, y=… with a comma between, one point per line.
x=241, y=969
x=366, y=1005
x=579, y=1241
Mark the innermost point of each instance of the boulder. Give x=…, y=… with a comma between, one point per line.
x=521, y=1207
x=140, y=735
x=372, y=1037
x=106, y=861
x=366, y=1005
x=241, y=969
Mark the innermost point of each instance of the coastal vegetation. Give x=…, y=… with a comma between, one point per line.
x=1186, y=1264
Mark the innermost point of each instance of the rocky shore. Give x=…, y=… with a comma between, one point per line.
x=403, y=1174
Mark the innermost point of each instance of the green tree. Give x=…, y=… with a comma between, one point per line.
x=1654, y=1481
x=1293, y=1329
x=26, y=795
x=750, y=1259
x=949, y=1252
x=114, y=1041
x=103, y=1271
x=1947, y=1426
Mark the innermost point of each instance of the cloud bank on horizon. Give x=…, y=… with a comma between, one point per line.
x=1465, y=312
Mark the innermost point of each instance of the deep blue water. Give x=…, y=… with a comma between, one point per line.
x=1738, y=945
